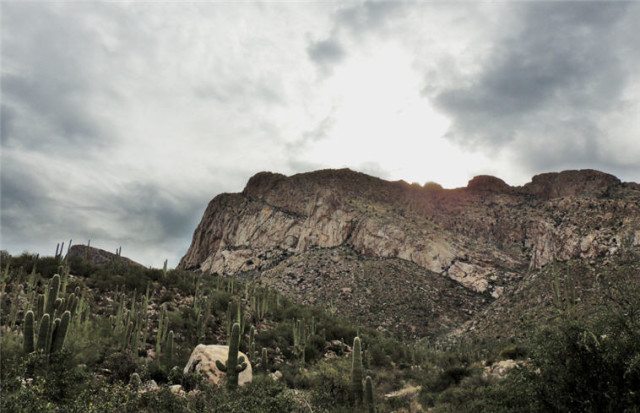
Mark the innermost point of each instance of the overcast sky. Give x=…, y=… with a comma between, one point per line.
x=120, y=121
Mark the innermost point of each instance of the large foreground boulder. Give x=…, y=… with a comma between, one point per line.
x=203, y=359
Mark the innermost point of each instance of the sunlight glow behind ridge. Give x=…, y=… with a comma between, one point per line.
x=380, y=114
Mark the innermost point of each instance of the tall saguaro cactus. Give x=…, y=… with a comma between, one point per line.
x=28, y=346
x=60, y=332
x=52, y=296
x=43, y=332
x=356, y=371
x=234, y=366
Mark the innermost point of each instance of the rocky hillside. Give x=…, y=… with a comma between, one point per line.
x=339, y=235
x=97, y=256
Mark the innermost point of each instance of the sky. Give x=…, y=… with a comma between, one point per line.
x=120, y=121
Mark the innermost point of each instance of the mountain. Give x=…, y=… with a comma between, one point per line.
x=399, y=256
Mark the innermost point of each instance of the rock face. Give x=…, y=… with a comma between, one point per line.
x=203, y=359
x=483, y=236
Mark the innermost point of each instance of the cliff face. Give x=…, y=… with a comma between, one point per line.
x=484, y=236
x=479, y=235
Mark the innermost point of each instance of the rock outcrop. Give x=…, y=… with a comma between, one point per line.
x=97, y=256
x=203, y=359
x=483, y=236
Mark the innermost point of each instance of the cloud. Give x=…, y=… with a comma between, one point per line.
x=120, y=121
x=548, y=85
x=349, y=25
x=326, y=53
x=51, y=66
x=369, y=16
x=119, y=126
x=39, y=210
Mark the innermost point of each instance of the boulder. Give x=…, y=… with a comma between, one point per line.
x=203, y=359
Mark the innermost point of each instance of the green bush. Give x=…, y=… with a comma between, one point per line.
x=330, y=385
x=121, y=364
x=447, y=378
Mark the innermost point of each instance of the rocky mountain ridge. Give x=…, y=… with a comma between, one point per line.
x=486, y=236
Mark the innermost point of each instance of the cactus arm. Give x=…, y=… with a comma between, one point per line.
x=241, y=367
x=221, y=366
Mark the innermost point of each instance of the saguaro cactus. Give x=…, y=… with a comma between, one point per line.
x=356, y=371
x=264, y=362
x=233, y=366
x=61, y=332
x=28, y=333
x=43, y=333
x=368, y=395
x=169, y=347
x=52, y=296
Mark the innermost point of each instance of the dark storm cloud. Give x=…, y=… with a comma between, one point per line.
x=52, y=62
x=27, y=211
x=141, y=216
x=326, y=53
x=353, y=20
x=370, y=15
x=547, y=83
x=153, y=211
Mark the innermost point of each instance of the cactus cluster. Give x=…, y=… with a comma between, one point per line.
x=202, y=304
x=361, y=395
x=163, y=330
x=235, y=314
x=55, y=315
x=301, y=334
x=259, y=306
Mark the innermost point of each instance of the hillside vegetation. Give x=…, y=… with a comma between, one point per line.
x=566, y=340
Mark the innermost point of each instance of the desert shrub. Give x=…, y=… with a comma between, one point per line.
x=378, y=356
x=338, y=331
x=330, y=384
x=47, y=267
x=279, y=336
x=157, y=371
x=36, y=380
x=314, y=348
x=575, y=366
x=439, y=382
x=262, y=395
x=80, y=267
x=588, y=368
x=121, y=365
x=514, y=352
x=181, y=280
